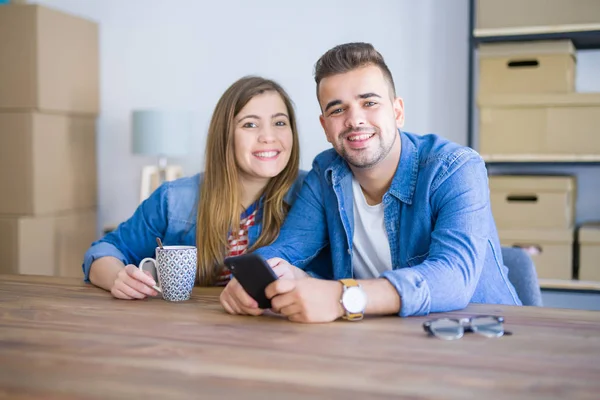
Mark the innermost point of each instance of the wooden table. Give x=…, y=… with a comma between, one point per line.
x=60, y=338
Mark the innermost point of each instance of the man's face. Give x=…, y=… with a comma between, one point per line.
x=359, y=115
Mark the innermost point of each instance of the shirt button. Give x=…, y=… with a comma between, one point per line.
x=349, y=251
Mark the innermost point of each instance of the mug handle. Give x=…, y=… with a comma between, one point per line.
x=141, y=267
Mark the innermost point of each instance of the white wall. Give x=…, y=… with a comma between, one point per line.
x=184, y=53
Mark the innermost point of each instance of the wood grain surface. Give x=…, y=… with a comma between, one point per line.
x=63, y=339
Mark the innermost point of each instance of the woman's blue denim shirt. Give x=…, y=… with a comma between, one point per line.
x=170, y=214
x=443, y=240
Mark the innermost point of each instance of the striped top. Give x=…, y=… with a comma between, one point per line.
x=238, y=244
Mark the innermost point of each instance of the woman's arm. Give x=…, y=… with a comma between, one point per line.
x=104, y=271
x=124, y=282
x=111, y=263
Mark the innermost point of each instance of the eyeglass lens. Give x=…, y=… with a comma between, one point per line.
x=487, y=326
x=447, y=329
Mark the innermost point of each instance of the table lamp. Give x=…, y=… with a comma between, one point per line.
x=162, y=134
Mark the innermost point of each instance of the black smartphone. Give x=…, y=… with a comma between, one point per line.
x=254, y=274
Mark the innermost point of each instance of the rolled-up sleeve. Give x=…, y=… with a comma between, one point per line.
x=447, y=279
x=135, y=238
x=98, y=250
x=413, y=290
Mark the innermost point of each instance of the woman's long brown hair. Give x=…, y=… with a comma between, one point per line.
x=219, y=200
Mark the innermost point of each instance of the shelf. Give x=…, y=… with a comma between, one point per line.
x=542, y=158
x=582, y=36
x=575, y=285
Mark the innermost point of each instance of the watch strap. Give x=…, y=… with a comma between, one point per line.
x=349, y=282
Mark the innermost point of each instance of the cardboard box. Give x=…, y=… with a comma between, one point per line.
x=533, y=202
x=525, y=125
x=47, y=163
x=528, y=67
x=589, y=252
x=47, y=245
x=49, y=61
x=550, y=250
x=534, y=16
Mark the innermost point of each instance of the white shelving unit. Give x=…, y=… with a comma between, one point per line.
x=585, y=167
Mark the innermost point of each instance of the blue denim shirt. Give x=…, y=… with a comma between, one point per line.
x=444, y=245
x=170, y=214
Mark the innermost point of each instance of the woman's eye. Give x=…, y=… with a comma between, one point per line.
x=280, y=123
x=249, y=125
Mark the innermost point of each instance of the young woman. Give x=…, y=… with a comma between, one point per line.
x=251, y=178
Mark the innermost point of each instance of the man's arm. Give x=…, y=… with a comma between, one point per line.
x=318, y=300
x=302, y=236
x=447, y=279
x=304, y=232
x=382, y=297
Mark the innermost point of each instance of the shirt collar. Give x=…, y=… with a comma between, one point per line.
x=405, y=179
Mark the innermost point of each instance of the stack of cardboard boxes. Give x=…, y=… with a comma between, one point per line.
x=48, y=108
x=529, y=111
x=528, y=108
x=510, y=17
x=537, y=213
x=588, y=267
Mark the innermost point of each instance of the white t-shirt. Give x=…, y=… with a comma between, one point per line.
x=370, y=245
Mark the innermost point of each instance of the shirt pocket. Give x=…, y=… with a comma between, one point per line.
x=416, y=260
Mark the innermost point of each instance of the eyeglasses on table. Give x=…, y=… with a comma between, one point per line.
x=455, y=328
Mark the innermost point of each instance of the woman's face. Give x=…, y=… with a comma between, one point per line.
x=263, y=137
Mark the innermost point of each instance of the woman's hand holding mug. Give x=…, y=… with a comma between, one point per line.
x=133, y=283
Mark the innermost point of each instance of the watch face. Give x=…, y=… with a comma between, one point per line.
x=354, y=300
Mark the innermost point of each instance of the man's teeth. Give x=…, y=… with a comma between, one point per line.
x=266, y=154
x=360, y=137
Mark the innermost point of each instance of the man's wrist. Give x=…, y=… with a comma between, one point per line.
x=383, y=297
x=339, y=292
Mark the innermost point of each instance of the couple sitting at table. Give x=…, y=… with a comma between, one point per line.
x=401, y=220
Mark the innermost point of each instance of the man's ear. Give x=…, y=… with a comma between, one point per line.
x=399, y=111
x=322, y=121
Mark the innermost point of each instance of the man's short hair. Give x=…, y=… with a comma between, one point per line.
x=348, y=57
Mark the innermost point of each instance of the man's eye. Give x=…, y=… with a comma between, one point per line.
x=249, y=125
x=370, y=103
x=337, y=111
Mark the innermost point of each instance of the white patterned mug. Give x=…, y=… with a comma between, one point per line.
x=176, y=271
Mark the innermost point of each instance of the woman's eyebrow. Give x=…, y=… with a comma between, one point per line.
x=248, y=116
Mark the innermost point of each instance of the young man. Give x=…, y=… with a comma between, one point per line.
x=407, y=218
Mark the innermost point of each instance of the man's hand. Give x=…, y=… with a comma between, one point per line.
x=235, y=300
x=285, y=270
x=306, y=300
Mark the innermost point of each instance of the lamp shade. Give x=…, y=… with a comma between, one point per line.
x=161, y=133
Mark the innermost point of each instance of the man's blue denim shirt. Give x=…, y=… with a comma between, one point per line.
x=170, y=214
x=443, y=240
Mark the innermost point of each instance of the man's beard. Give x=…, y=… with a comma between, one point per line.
x=365, y=158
